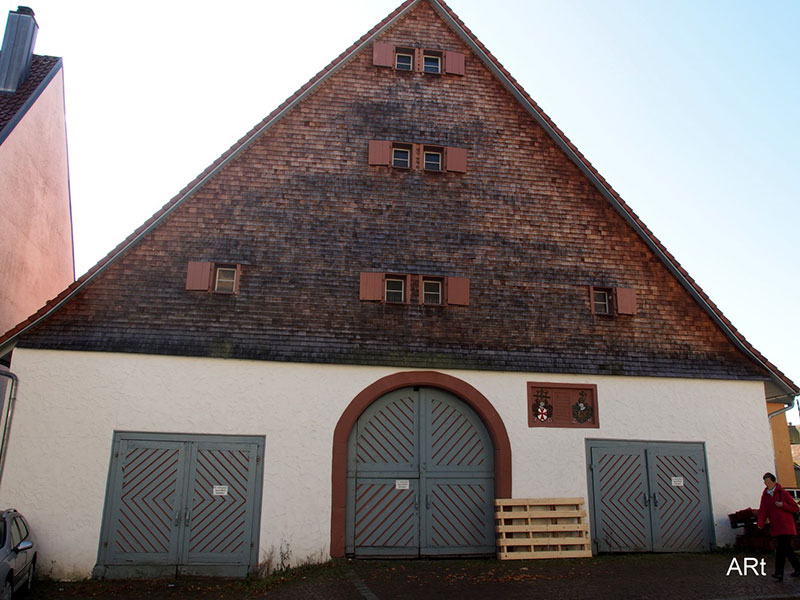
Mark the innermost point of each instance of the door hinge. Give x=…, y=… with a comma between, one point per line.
x=105, y=544
x=258, y=459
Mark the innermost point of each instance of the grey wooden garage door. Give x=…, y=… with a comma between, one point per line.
x=185, y=504
x=649, y=496
x=420, y=478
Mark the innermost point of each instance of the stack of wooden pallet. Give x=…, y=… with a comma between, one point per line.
x=541, y=528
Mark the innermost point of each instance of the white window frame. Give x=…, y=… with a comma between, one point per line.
x=410, y=57
x=438, y=292
x=396, y=149
x=218, y=280
x=401, y=291
x=437, y=153
x=604, y=305
x=437, y=58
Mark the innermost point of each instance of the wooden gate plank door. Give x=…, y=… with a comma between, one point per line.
x=181, y=504
x=457, y=478
x=420, y=477
x=147, y=502
x=387, y=519
x=385, y=475
x=680, y=503
x=621, y=499
x=218, y=517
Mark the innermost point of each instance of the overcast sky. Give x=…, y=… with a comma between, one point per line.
x=689, y=109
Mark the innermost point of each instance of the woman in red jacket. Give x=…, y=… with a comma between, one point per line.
x=779, y=507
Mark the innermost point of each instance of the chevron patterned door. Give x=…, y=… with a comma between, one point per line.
x=457, y=473
x=148, y=502
x=650, y=497
x=218, y=522
x=183, y=503
x=680, y=505
x=420, y=478
x=621, y=499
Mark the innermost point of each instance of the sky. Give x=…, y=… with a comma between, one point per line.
x=690, y=109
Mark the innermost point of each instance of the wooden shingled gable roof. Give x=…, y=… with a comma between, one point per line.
x=14, y=105
x=779, y=384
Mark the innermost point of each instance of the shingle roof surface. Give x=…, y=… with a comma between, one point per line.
x=12, y=102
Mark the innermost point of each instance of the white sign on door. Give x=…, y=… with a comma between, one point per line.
x=677, y=482
x=220, y=490
x=401, y=484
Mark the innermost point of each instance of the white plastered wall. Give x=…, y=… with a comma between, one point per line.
x=69, y=404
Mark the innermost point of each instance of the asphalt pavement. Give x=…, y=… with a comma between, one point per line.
x=711, y=576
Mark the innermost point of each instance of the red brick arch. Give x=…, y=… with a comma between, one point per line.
x=477, y=401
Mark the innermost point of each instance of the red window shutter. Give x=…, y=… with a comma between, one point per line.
x=383, y=54
x=421, y=290
x=418, y=60
x=380, y=152
x=371, y=287
x=457, y=290
x=456, y=159
x=198, y=276
x=454, y=63
x=626, y=301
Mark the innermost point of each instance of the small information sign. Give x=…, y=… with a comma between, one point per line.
x=220, y=490
x=401, y=484
x=677, y=482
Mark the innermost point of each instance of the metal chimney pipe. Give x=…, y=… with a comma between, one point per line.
x=16, y=54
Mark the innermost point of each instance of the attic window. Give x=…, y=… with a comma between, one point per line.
x=613, y=300
x=221, y=278
x=433, y=159
x=225, y=279
x=401, y=156
x=431, y=62
x=404, y=60
x=431, y=291
x=602, y=301
x=417, y=60
x=404, y=155
x=395, y=289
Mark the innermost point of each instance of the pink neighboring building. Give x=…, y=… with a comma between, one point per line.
x=36, y=252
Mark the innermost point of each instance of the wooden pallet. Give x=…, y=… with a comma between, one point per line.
x=541, y=528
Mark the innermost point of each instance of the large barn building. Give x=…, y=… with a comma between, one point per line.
x=402, y=295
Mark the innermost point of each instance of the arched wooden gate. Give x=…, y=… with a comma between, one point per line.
x=420, y=478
